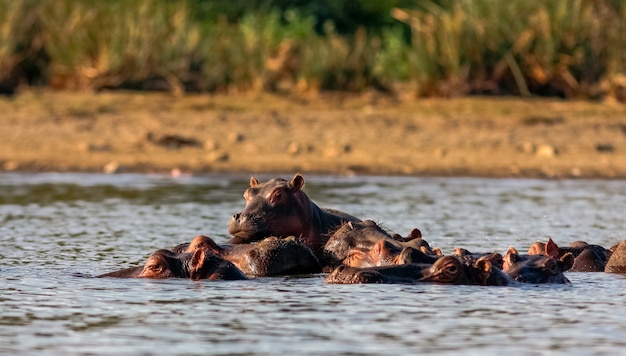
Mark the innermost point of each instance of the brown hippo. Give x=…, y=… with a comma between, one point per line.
x=537, y=268
x=617, y=262
x=281, y=208
x=406, y=274
x=386, y=253
x=199, y=264
x=367, y=244
x=587, y=258
x=269, y=257
x=452, y=270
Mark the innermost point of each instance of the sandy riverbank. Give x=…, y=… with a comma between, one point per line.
x=326, y=133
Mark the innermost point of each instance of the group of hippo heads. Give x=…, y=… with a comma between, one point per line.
x=280, y=231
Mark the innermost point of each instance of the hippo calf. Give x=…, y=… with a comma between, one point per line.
x=281, y=208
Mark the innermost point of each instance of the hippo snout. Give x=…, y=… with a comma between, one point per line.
x=247, y=228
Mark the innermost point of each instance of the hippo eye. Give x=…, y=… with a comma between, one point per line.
x=155, y=268
x=276, y=196
x=452, y=269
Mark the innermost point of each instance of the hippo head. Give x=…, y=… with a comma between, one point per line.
x=383, y=253
x=273, y=208
x=537, y=268
x=447, y=270
x=352, y=241
x=452, y=270
x=197, y=264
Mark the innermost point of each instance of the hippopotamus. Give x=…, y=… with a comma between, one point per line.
x=617, y=262
x=281, y=208
x=386, y=253
x=587, y=258
x=537, y=268
x=405, y=274
x=367, y=244
x=271, y=256
x=198, y=264
x=452, y=270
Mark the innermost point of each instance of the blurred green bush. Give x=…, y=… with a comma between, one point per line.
x=573, y=48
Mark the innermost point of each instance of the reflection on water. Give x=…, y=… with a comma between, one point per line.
x=56, y=227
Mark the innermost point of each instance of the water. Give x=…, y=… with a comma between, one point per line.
x=56, y=227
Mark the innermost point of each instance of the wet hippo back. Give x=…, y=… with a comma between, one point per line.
x=273, y=257
x=280, y=208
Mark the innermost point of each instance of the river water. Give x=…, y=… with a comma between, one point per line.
x=57, y=230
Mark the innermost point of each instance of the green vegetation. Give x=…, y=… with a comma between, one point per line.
x=573, y=48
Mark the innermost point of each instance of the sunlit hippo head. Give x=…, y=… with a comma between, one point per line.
x=196, y=264
x=280, y=208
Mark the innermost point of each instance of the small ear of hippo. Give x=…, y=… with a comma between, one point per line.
x=484, y=266
x=296, y=183
x=196, y=263
x=254, y=182
x=537, y=248
x=552, y=249
x=566, y=262
x=511, y=256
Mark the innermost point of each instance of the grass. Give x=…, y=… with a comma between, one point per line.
x=524, y=47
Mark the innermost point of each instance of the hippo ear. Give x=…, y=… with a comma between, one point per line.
x=296, y=183
x=254, y=182
x=537, y=248
x=566, y=262
x=511, y=251
x=204, y=242
x=552, y=249
x=415, y=234
x=511, y=256
x=197, y=260
x=483, y=265
x=437, y=251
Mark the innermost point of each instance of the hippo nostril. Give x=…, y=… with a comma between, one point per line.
x=236, y=216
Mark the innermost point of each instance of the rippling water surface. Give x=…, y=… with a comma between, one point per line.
x=56, y=227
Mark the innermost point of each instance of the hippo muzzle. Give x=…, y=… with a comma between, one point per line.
x=247, y=228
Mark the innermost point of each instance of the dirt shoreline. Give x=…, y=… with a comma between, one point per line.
x=334, y=133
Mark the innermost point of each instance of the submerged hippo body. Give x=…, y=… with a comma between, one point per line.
x=404, y=274
x=197, y=264
x=280, y=208
x=271, y=256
